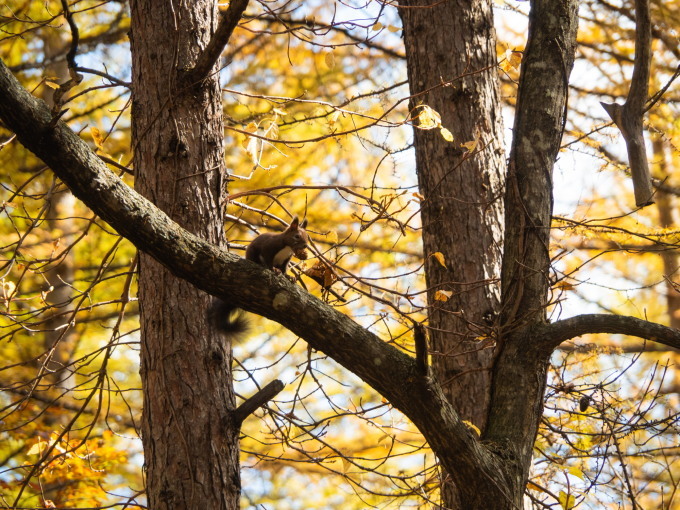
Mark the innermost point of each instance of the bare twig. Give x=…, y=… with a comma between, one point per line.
x=421, y=348
x=76, y=78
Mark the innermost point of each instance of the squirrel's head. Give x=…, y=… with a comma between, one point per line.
x=297, y=237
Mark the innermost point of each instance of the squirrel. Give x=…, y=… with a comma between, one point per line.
x=272, y=251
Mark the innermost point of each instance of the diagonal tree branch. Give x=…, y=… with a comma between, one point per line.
x=206, y=60
x=247, y=285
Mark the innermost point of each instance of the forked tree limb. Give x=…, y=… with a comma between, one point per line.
x=628, y=117
x=206, y=60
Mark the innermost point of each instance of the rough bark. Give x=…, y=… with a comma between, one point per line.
x=190, y=440
x=520, y=371
x=666, y=206
x=462, y=215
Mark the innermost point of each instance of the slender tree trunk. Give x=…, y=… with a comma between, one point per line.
x=190, y=442
x=462, y=211
x=665, y=203
x=60, y=336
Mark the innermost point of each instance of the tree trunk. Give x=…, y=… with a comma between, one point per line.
x=190, y=440
x=462, y=210
x=665, y=203
x=60, y=336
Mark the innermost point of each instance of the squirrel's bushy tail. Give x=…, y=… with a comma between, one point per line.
x=228, y=319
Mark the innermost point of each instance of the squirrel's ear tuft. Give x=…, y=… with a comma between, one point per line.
x=304, y=223
x=294, y=223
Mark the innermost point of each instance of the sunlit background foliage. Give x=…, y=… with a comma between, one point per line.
x=317, y=125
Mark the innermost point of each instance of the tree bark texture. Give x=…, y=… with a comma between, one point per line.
x=451, y=59
x=667, y=210
x=190, y=440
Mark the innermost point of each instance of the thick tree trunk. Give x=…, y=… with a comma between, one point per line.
x=462, y=210
x=190, y=441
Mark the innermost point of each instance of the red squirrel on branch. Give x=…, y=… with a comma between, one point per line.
x=272, y=251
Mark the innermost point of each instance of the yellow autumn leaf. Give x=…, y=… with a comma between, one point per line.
x=470, y=146
x=567, y=501
x=564, y=285
x=37, y=448
x=515, y=58
x=427, y=117
x=346, y=463
x=52, y=84
x=8, y=287
x=250, y=128
x=473, y=427
x=446, y=134
x=377, y=26
x=419, y=196
x=532, y=486
x=97, y=137
x=440, y=258
x=330, y=60
x=253, y=147
x=576, y=472
x=333, y=118
x=332, y=237
x=393, y=29
x=272, y=130
x=443, y=295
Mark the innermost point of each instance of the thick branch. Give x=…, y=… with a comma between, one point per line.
x=628, y=118
x=219, y=41
x=249, y=286
x=519, y=373
x=549, y=336
x=539, y=125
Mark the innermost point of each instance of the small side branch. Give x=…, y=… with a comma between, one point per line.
x=628, y=118
x=420, y=340
x=256, y=401
x=219, y=41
